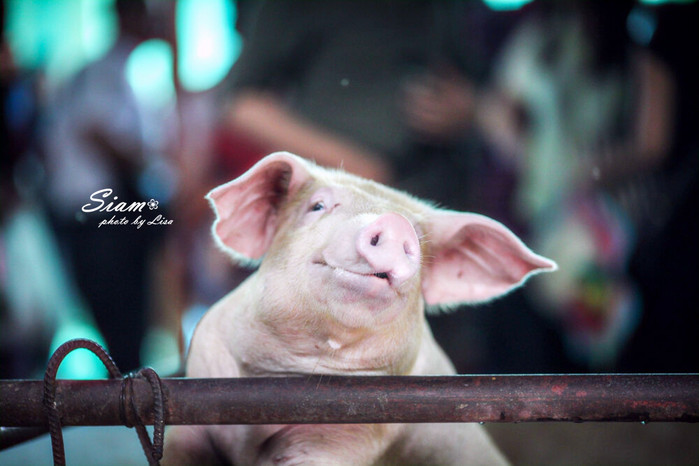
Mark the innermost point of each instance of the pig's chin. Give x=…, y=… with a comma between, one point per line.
x=349, y=286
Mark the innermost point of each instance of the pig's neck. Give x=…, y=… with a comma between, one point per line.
x=274, y=338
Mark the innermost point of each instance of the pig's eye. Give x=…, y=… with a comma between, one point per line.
x=320, y=205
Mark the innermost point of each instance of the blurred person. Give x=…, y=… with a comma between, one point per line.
x=328, y=82
x=37, y=295
x=93, y=139
x=440, y=105
x=24, y=321
x=581, y=111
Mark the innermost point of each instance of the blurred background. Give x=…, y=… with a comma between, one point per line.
x=572, y=122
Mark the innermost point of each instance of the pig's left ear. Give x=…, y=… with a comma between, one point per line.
x=247, y=208
x=474, y=259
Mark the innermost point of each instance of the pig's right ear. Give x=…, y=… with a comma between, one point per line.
x=247, y=208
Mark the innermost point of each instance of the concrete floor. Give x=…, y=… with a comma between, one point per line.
x=598, y=443
x=84, y=446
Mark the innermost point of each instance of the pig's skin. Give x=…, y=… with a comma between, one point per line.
x=314, y=307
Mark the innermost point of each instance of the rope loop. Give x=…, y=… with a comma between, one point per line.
x=127, y=408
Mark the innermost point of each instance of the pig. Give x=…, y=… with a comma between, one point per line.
x=346, y=270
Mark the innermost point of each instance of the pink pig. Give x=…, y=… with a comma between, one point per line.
x=347, y=268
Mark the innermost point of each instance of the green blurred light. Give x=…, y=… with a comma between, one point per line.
x=207, y=41
x=149, y=71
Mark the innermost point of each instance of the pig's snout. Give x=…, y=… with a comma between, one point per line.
x=390, y=246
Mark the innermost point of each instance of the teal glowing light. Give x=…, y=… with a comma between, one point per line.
x=149, y=71
x=661, y=2
x=80, y=364
x=505, y=5
x=207, y=41
x=59, y=37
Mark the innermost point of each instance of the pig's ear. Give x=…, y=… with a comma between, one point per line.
x=474, y=258
x=247, y=208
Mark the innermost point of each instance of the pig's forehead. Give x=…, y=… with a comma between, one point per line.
x=369, y=194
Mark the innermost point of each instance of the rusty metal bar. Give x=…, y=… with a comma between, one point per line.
x=339, y=399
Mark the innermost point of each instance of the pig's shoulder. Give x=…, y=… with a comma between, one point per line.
x=210, y=353
x=431, y=359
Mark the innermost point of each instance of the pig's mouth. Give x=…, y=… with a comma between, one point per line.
x=354, y=275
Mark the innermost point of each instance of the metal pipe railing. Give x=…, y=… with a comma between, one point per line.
x=343, y=399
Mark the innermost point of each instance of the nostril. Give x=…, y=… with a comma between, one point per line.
x=389, y=248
